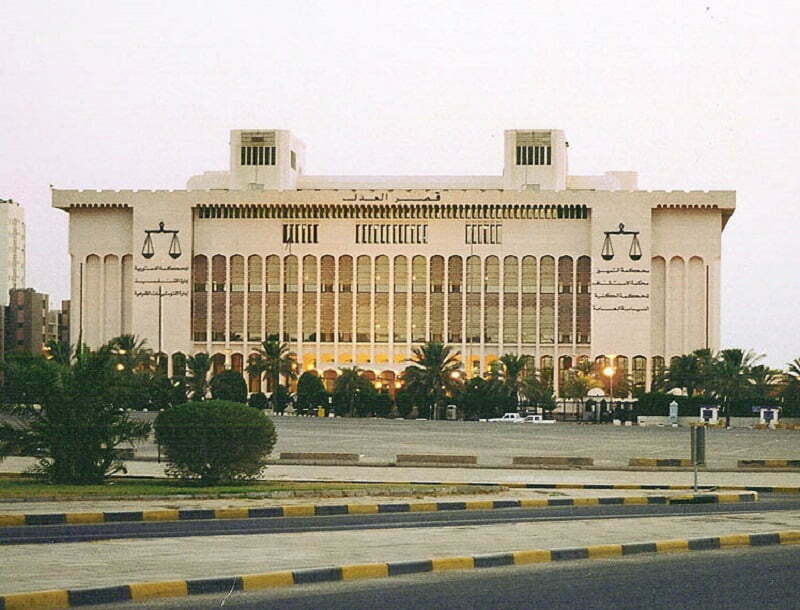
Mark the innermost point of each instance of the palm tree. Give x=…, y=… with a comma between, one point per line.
x=348, y=384
x=791, y=380
x=272, y=361
x=198, y=366
x=766, y=381
x=731, y=377
x=59, y=352
x=538, y=388
x=434, y=374
x=685, y=373
x=132, y=354
x=579, y=381
x=513, y=367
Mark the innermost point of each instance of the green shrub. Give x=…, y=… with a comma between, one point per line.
x=405, y=403
x=258, y=400
x=229, y=385
x=281, y=398
x=215, y=441
x=64, y=414
x=310, y=393
x=383, y=404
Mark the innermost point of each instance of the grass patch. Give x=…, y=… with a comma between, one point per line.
x=18, y=487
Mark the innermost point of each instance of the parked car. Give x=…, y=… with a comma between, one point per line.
x=511, y=418
x=536, y=419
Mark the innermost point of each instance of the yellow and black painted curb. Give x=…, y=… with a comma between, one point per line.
x=767, y=489
x=70, y=598
x=660, y=462
x=768, y=463
x=316, y=510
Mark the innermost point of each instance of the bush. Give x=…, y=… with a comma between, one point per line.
x=215, y=441
x=258, y=400
x=229, y=385
x=310, y=393
x=405, y=403
x=281, y=398
x=383, y=405
x=65, y=415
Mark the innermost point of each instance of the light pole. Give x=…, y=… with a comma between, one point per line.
x=609, y=372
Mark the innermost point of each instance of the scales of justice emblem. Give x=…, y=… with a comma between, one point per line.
x=174, y=246
x=635, y=251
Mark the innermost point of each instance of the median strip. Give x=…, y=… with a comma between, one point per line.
x=252, y=582
x=310, y=510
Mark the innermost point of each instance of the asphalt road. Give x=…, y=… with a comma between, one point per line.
x=458, y=518
x=744, y=578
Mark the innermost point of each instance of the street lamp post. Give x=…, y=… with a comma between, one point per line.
x=609, y=372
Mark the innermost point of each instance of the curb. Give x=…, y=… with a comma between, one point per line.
x=69, y=598
x=653, y=487
x=768, y=463
x=317, y=510
x=661, y=462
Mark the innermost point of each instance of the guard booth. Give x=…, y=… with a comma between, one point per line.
x=673, y=414
x=709, y=414
x=452, y=412
x=768, y=416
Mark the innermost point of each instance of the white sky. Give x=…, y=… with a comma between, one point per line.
x=693, y=95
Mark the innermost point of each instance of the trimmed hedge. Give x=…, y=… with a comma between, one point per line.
x=229, y=385
x=215, y=441
x=258, y=400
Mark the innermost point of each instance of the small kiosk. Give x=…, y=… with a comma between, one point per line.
x=768, y=416
x=709, y=414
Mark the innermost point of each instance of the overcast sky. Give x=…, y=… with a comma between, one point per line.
x=692, y=95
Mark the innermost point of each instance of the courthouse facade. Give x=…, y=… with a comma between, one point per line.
x=358, y=270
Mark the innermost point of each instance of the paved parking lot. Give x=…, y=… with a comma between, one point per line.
x=380, y=441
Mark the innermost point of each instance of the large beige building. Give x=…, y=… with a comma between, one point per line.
x=357, y=270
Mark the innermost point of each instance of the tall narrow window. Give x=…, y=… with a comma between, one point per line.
x=290, y=281
x=565, y=299
x=657, y=363
x=546, y=370
x=564, y=365
x=455, y=280
x=218, y=304
x=382, y=299
x=326, y=314
x=529, y=289
x=254, y=289
x=345, y=299
x=639, y=372
x=363, y=307
x=199, y=298
x=510, y=299
x=309, y=298
x=491, y=320
x=437, y=299
x=400, y=314
x=272, y=285
x=236, y=322
x=473, y=313
x=419, y=284
x=583, y=317
x=547, y=288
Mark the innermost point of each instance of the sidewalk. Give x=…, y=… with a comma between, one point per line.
x=476, y=475
x=70, y=565
x=73, y=506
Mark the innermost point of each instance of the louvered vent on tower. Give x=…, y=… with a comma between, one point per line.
x=258, y=148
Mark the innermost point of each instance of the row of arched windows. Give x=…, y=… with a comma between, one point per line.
x=633, y=369
x=368, y=299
